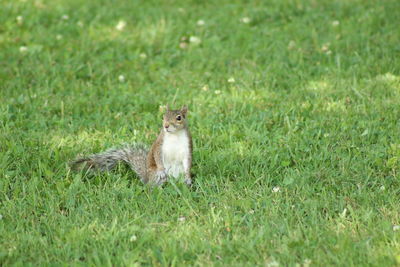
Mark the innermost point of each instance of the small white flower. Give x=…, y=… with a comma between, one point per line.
x=231, y=80
x=251, y=211
x=133, y=238
x=325, y=47
x=205, y=88
x=382, y=188
x=59, y=37
x=79, y=23
x=276, y=189
x=396, y=227
x=307, y=263
x=143, y=55
x=65, y=17
x=121, y=25
x=194, y=40
x=335, y=23
x=200, y=22
x=217, y=92
x=181, y=219
x=20, y=19
x=245, y=20
x=1, y=217
x=292, y=44
x=23, y=49
x=121, y=78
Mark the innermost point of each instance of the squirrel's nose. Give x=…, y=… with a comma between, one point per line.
x=166, y=126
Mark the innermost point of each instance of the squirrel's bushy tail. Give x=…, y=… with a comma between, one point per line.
x=133, y=155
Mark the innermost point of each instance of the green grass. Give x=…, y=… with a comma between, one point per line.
x=314, y=110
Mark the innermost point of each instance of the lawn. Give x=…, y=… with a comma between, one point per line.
x=294, y=107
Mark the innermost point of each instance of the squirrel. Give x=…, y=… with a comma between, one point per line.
x=169, y=156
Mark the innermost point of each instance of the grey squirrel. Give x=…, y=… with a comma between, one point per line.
x=169, y=156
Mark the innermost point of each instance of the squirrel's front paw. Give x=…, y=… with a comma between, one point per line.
x=188, y=181
x=160, y=178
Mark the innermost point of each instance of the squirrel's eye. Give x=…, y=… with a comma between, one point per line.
x=178, y=118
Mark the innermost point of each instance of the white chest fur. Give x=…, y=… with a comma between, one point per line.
x=175, y=152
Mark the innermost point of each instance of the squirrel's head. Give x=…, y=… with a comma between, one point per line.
x=174, y=120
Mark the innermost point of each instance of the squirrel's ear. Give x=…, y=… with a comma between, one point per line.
x=184, y=110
